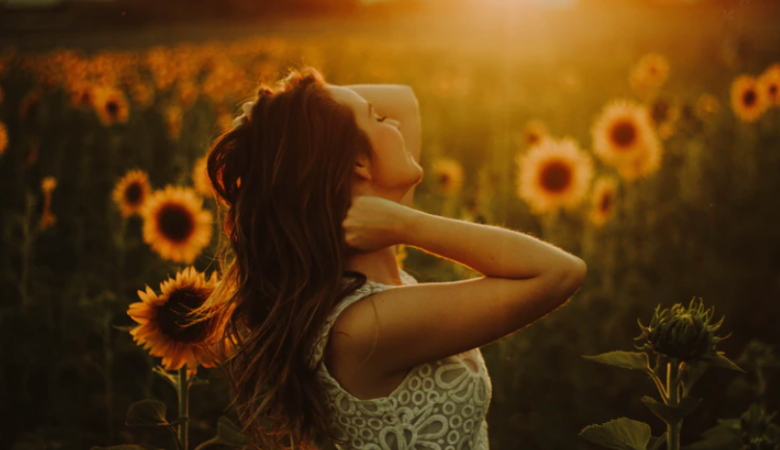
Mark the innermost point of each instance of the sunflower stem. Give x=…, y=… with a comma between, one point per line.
x=183, y=387
x=672, y=381
x=661, y=388
x=108, y=358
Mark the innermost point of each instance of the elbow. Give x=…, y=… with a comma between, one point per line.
x=412, y=101
x=571, y=278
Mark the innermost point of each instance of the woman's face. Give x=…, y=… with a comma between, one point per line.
x=391, y=171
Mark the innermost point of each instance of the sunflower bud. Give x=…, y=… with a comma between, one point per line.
x=683, y=334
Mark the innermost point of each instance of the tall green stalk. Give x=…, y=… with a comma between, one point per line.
x=183, y=388
x=673, y=399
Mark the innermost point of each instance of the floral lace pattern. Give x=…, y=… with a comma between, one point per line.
x=439, y=405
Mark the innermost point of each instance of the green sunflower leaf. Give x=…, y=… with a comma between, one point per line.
x=626, y=360
x=657, y=442
x=721, y=361
x=672, y=414
x=227, y=434
x=619, y=434
x=147, y=413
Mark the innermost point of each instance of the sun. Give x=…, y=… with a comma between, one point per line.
x=555, y=3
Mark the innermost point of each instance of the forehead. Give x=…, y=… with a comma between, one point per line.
x=347, y=97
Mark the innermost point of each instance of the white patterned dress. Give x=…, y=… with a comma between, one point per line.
x=440, y=405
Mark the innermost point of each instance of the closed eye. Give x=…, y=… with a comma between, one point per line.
x=371, y=108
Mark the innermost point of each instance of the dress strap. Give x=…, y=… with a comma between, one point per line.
x=370, y=287
x=322, y=339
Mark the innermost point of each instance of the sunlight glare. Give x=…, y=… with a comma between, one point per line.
x=558, y=4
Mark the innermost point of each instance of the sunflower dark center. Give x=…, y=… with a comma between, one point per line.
x=172, y=315
x=659, y=112
x=624, y=133
x=606, y=202
x=133, y=193
x=175, y=222
x=773, y=90
x=444, y=178
x=113, y=108
x=749, y=97
x=556, y=176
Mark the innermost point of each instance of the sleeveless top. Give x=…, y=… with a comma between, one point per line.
x=439, y=405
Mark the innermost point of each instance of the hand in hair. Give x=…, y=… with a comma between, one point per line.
x=374, y=222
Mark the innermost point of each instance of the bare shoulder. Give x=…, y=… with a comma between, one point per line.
x=397, y=328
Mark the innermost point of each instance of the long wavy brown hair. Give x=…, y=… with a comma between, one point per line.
x=284, y=180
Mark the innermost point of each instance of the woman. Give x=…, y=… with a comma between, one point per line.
x=331, y=338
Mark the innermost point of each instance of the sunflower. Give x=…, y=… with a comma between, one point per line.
x=200, y=178
x=110, y=104
x=448, y=174
x=664, y=115
x=602, y=199
x=623, y=132
x=175, y=224
x=535, y=131
x=187, y=93
x=770, y=84
x=163, y=321
x=82, y=95
x=649, y=74
x=173, y=119
x=131, y=192
x=747, y=98
x=142, y=94
x=706, y=105
x=647, y=162
x=553, y=174
x=3, y=138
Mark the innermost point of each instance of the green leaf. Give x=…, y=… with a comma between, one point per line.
x=672, y=414
x=147, y=413
x=724, y=429
x=619, y=434
x=723, y=436
x=725, y=363
x=124, y=327
x=626, y=360
x=174, y=381
x=657, y=442
x=227, y=434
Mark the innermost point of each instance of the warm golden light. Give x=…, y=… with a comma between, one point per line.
x=539, y=3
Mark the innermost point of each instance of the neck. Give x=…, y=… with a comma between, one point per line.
x=379, y=265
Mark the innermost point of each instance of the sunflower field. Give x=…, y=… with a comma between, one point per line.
x=643, y=139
